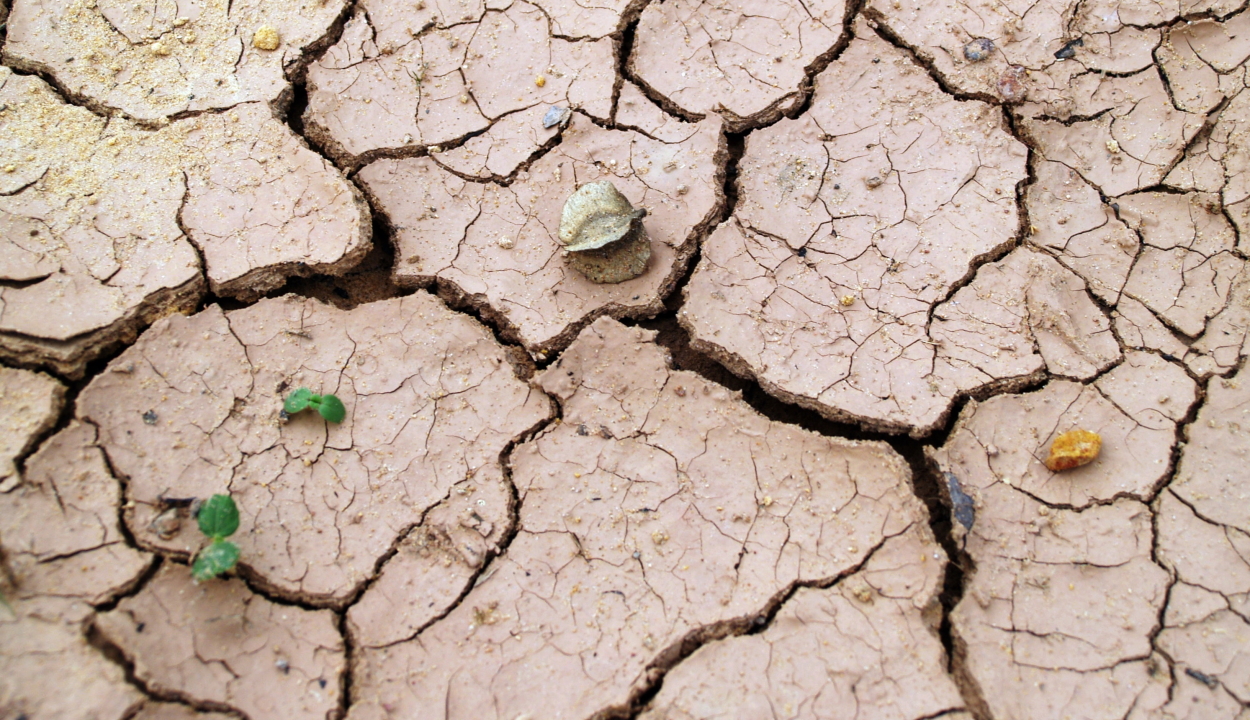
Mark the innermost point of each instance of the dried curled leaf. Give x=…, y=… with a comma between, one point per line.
x=595, y=215
x=603, y=234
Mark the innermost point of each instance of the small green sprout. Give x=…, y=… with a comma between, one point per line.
x=330, y=407
x=219, y=519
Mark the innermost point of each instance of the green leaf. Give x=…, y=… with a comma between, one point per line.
x=220, y=556
x=219, y=517
x=297, y=400
x=332, y=409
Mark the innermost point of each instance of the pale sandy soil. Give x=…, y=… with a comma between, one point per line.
x=796, y=468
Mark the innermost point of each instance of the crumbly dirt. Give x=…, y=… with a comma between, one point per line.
x=796, y=468
x=114, y=225
x=153, y=62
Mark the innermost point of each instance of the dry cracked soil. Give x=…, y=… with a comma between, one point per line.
x=795, y=468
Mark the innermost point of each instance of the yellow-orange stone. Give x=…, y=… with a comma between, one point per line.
x=1074, y=449
x=266, y=38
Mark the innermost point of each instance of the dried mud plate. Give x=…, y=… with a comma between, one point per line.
x=192, y=409
x=660, y=510
x=496, y=247
x=94, y=213
x=1060, y=613
x=160, y=60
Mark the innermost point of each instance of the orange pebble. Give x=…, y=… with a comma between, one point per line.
x=1074, y=449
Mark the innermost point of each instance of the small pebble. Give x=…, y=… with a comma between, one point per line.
x=1009, y=85
x=505, y=243
x=1068, y=51
x=978, y=50
x=540, y=81
x=961, y=502
x=848, y=300
x=1073, y=449
x=874, y=181
x=556, y=115
x=266, y=38
x=167, y=524
x=1113, y=147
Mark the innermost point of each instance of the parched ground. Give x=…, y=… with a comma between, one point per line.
x=796, y=468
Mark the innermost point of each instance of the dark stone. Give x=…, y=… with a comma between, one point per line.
x=961, y=502
x=1068, y=50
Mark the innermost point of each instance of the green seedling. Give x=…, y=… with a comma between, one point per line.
x=330, y=407
x=219, y=519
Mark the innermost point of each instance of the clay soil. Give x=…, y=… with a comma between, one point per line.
x=796, y=468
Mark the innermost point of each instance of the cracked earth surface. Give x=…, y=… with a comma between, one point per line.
x=796, y=468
